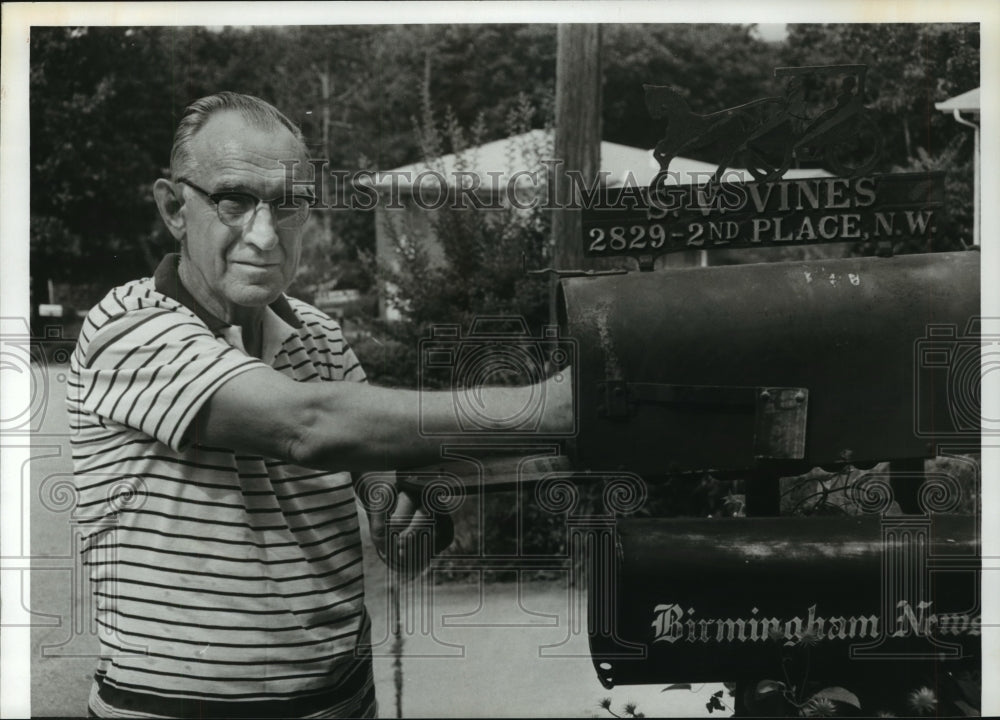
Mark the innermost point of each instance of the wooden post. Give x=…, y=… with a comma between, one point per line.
x=577, y=139
x=324, y=81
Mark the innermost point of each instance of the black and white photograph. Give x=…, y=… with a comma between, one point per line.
x=481, y=359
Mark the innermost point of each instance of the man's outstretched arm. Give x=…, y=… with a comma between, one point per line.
x=358, y=427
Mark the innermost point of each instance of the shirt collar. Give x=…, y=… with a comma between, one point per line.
x=167, y=280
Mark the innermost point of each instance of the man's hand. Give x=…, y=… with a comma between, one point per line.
x=402, y=540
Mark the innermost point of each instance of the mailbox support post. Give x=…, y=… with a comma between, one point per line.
x=906, y=478
x=763, y=495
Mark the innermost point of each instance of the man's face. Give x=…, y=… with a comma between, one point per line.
x=231, y=268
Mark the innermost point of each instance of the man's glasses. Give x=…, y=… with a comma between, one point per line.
x=237, y=209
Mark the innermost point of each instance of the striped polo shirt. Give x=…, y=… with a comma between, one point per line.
x=224, y=584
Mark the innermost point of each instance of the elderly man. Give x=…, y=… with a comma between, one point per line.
x=216, y=423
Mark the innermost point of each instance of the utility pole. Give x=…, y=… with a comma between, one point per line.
x=577, y=139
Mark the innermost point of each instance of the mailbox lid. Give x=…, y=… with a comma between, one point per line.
x=854, y=333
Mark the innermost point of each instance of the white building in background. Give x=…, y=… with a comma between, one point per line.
x=968, y=102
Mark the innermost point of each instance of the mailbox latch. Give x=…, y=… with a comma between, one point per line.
x=780, y=423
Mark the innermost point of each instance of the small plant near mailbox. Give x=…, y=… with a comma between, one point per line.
x=797, y=694
x=629, y=709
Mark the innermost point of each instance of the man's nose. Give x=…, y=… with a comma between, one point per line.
x=262, y=233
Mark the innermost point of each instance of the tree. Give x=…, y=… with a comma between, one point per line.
x=910, y=67
x=99, y=136
x=715, y=66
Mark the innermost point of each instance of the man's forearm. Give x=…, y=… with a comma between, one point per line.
x=363, y=428
x=357, y=427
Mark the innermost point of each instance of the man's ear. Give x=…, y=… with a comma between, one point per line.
x=170, y=203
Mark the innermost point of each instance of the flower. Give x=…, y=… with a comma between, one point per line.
x=820, y=707
x=809, y=637
x=885, y=713
x=630, y=708
x=923, y=701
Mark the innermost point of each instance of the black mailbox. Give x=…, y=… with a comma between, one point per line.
x=708, y=600
x=796, y=364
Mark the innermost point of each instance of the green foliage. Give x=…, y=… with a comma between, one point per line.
x=478, y=266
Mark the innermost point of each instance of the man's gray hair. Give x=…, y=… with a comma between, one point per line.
x=255, y=111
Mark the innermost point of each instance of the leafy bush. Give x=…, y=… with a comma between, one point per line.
x=835, y=492
x=463, y=263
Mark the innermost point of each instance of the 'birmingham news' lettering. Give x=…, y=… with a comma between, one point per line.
x=672, y=623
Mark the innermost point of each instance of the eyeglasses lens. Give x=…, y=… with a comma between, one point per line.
x=238, y=210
